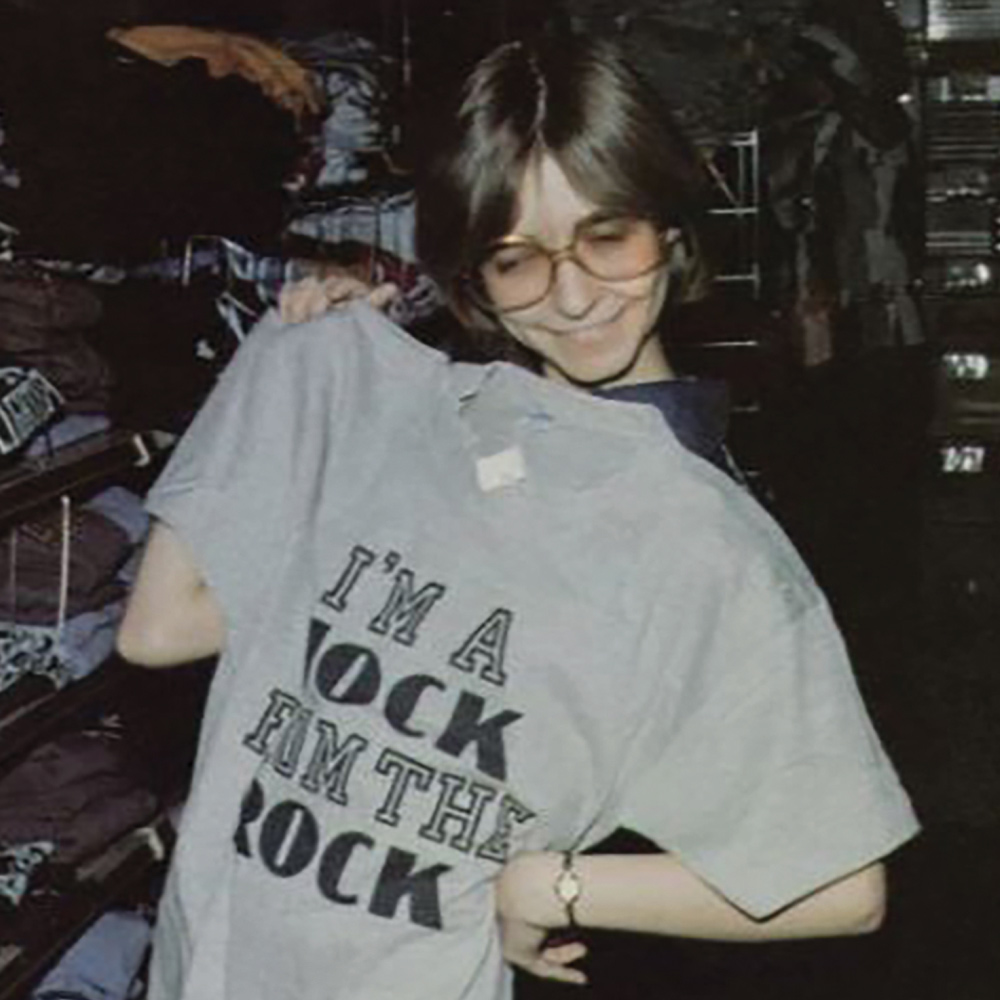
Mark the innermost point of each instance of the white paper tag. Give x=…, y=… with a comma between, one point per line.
x=505, y=468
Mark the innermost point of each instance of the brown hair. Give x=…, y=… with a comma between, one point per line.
x=574, y=98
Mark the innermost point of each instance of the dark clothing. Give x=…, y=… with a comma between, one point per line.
x=697, y=411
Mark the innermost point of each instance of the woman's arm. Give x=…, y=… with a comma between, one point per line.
x=172, y=616
x=657, y=894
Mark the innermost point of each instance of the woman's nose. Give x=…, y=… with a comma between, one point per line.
x=574, y=291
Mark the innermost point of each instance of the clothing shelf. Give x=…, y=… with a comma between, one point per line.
x=40, y=934
x=24, y=724
x=34, y=710
x=33, y=482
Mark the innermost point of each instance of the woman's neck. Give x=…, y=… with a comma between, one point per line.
x=649, y=365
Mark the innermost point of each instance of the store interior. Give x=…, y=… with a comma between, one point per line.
x=155, y=194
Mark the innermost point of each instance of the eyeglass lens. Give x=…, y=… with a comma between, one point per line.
x=520, y=272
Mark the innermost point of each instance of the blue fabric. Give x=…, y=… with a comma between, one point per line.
x=103, y=964
x=697, y=411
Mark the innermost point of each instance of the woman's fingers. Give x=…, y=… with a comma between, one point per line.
x=526, y=946
x=311, y=297
x=565, y=954
x=302, y=300
x=382, y=295
x=556, y=962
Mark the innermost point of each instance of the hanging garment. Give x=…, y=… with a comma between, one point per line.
x=382, y=219
x=353, y=72
x=117, y=153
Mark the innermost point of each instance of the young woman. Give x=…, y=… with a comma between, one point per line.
x=472, y=619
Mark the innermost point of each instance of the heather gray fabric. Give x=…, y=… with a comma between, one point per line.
x=438, y=657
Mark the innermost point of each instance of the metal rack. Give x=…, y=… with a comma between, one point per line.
x=962, y=20
x=736, y=204
x=959, y=68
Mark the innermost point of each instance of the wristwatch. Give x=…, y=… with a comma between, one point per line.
x=568, y=888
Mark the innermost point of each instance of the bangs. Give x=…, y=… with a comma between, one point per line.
x=618, y=146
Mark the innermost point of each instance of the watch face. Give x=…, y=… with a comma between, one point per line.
x=568, y=886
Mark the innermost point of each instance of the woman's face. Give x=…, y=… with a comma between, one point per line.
x=586, y=330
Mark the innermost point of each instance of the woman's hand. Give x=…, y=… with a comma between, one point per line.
x=528, y=910
x=311, y=297
x=524, y=946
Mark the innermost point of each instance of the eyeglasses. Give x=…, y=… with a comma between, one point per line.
x=519, y=272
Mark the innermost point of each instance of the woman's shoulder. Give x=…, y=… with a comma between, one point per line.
x=717, y=535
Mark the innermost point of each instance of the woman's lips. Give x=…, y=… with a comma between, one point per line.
x=589, y=326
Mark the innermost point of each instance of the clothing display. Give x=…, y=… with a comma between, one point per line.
x=60, y=653
x=827, y=86
x=21, y=866
x=32, y=563
x=472, y=612
x=27, y=651
x=116, y=154
x=69, y=429
x=77, y=792
x=386, y=220
x=352, y=71
x=28, y=403
x=42, y=319
x=103, y=534
x=104, y=964
x=32, y=297
x=64, y=573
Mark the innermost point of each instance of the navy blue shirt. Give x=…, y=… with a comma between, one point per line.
x=696, y=409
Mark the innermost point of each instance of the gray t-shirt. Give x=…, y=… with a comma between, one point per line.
x=469, y=613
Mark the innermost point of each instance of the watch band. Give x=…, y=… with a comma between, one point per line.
x=568, y=888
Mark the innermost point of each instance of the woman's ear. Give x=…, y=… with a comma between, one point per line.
x=678, y=258
x=461, y=308
x=672, y=235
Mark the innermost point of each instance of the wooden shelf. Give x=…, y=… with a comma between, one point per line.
x=42, y=931
x=31, y=722
x=33, y=711
x=33, y=482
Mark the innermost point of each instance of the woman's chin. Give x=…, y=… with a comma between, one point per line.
x=595, y=365
x=590, y=373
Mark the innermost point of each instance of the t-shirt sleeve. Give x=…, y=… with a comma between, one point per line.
x=760, y=768
x=233, y=485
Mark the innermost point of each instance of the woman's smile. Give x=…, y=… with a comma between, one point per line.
x=586, y=330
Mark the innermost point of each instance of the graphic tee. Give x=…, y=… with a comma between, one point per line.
x=470, y=613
